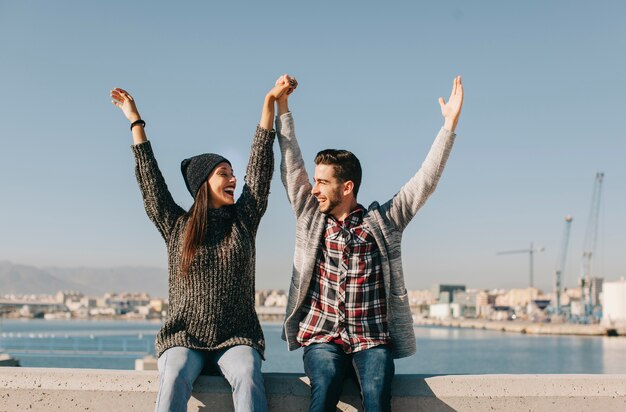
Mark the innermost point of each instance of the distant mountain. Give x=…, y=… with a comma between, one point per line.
x=24, y=279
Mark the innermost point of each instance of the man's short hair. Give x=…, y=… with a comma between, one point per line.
x=345, y=163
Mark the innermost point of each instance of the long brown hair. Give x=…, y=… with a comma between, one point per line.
x=196, y=228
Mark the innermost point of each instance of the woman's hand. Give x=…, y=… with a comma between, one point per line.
x=293, y=84
x=452, y=110
x=283, y=87
x=283, y=100
x=125, y=101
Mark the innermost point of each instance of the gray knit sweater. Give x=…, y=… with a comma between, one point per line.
x=213, y=306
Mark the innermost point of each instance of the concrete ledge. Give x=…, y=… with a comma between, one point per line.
x=42, y=389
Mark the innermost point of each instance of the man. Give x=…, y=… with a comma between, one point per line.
x=348, y=306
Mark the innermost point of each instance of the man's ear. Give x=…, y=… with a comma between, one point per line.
x=348, y=187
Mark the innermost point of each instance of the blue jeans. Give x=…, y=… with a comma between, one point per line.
x=327, y=365
x=241, y=366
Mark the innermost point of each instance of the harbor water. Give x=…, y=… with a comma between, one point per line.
x=116, y=345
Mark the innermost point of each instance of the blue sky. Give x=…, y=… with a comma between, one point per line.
x=544, y=86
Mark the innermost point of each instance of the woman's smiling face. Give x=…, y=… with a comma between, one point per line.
x=222, y=183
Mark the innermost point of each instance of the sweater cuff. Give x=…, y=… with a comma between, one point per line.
x=447, y=133
x=142, y=151
x=284, y=121
x=283, y=118
x=264, y=133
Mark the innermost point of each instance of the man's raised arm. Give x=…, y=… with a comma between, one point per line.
x=412, y=196
x=292, y=169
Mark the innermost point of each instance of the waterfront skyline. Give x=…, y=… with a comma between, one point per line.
x=543, y=85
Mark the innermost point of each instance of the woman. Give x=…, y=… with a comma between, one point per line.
x=211, y=254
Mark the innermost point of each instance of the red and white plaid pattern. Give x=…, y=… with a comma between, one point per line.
x=345, y=303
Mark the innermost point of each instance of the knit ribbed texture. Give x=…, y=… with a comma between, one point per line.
x=212, y=307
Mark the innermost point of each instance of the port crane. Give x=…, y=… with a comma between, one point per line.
x=560, y=269
x=531, y=251
x=589, y=246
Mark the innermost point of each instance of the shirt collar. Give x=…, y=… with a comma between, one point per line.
x=352, y=220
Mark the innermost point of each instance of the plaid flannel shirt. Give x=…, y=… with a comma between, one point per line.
x=346, y=301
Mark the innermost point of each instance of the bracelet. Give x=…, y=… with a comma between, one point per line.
x=137, y=122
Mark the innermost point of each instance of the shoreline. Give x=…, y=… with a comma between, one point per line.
x=517, y=326
x=526, y=327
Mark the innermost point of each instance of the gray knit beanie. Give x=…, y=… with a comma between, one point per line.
x=197, y=169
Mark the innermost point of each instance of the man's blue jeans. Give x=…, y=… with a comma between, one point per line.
x=241, y=366
x=327, y=365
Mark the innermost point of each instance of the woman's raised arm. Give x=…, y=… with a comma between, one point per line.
x=126, y=103
x=158, y=201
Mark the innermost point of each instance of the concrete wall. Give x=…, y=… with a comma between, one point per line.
x=69, y=390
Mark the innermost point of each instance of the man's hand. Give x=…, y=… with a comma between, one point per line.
x=452, y=110
x=293, y=84
x=282, y=88
x=283, y=101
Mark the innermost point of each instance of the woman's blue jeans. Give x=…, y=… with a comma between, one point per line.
x=327, y=365
x=241, y=366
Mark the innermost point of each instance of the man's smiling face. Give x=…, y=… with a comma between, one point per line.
x=327, y=189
